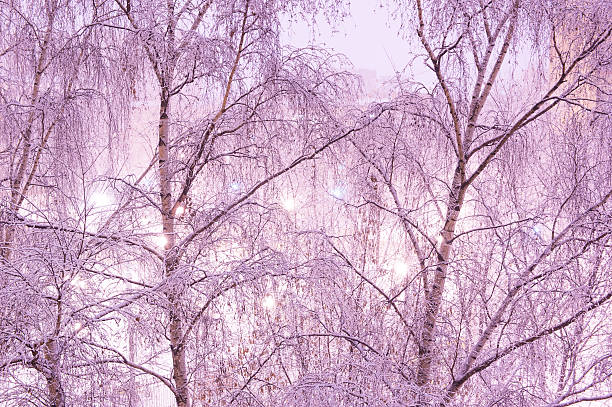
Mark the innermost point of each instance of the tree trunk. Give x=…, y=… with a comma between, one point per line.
x=179, y=364
x=434, y=296
x=49, y=368
x=17, y=181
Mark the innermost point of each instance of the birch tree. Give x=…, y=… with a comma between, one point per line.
x=282, y=246
x=236, y=112
x=53, y=82
x=465, y=167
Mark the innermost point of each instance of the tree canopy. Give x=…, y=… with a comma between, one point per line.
x=195, y=213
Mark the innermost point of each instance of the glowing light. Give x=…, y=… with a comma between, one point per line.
x=50, y=291
x=235, y=186
x=161, y=241
x=289, y=204
x=77, y=326
x=268, y=302
x=179, y=211
x=537, y=229
x=400, y=269
x=78, y=282
x=100, y=200
x=338, y=192
x=541, y=232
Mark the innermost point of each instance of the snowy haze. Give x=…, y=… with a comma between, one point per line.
x=368, y=36
x=193, y=216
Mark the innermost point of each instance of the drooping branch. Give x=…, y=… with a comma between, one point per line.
x=499, y=354
x=251, y=191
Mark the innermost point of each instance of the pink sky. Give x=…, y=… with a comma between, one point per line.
x=368, y=37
